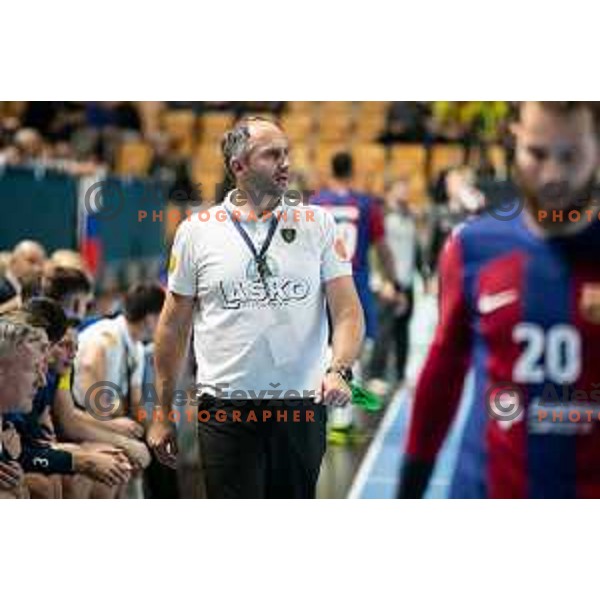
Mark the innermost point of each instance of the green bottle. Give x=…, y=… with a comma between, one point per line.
x=365, y=400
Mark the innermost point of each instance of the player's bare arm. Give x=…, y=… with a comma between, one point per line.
x=348, y=332
x=171, y=342
x=80, y=427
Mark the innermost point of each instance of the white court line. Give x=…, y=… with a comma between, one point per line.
x=368, y=462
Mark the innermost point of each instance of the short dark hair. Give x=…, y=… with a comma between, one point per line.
x=64, y=282
x=563, y=107
x=142, y=300
x=46, y=314
x=342, y=165
x=235, y=141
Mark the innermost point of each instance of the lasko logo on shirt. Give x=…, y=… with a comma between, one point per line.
x=253, y=293
x=288, y=235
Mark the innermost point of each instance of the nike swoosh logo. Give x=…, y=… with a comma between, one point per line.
x=492, y=302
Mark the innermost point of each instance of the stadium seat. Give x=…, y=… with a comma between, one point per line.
x=298, y=127
x=213, y=126
x=369, y=127
x=373, y=108
x=371, y=182
x=323, y=155
x=151, y=114
x=301, y=157
x=301, y=108
x=497, y=156
x=334, y=127
x=327, y=109
x=179, y=125
x=406, y=160
x=209, y=153
x=133, y=158
x=370, y=157
x=445, y=156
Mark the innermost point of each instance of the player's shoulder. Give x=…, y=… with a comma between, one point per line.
x=496, y=233
x=320, y=196
x=103, y=331
x=197, y=223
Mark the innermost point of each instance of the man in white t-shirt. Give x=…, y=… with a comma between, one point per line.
x=257, y=277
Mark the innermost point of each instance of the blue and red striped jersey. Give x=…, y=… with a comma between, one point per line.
x=360, y=223
x=523, y=312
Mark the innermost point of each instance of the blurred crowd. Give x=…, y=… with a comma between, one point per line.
x=80, y=136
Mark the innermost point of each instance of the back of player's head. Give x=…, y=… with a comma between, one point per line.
x=142, y=300
x=48, y=315
x=342, y=165
x=63, y=282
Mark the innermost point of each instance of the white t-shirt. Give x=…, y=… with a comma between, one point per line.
x=401, y=235
x=244, y=340
x=119, y=350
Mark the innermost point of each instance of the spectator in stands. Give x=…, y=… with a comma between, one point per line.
x=396, y=305
x=454, y=197
x=23, y=276
x=41, y=116
x=406, y=122
x=30, y=145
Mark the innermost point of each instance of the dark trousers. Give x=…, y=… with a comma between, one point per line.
x=261, y=450
x=392, y=334
x=160, y=482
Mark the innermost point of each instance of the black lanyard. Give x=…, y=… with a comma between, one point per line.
x=260, y=257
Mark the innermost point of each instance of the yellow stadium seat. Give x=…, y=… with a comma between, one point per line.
x=298, y=127
x=214, y=126
x=301, y=159
x=497, y=156
x=445, y=156
x=369, y=158
x=208, y=180
x=373, y=108
x=301, y=108
x=407, y=160
x=179, y=125
x=371, y=182
x=328, y=108
x=133, y=158
x=334, y=128
x=369, y=127
x=207, y=165
x=151, y=115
